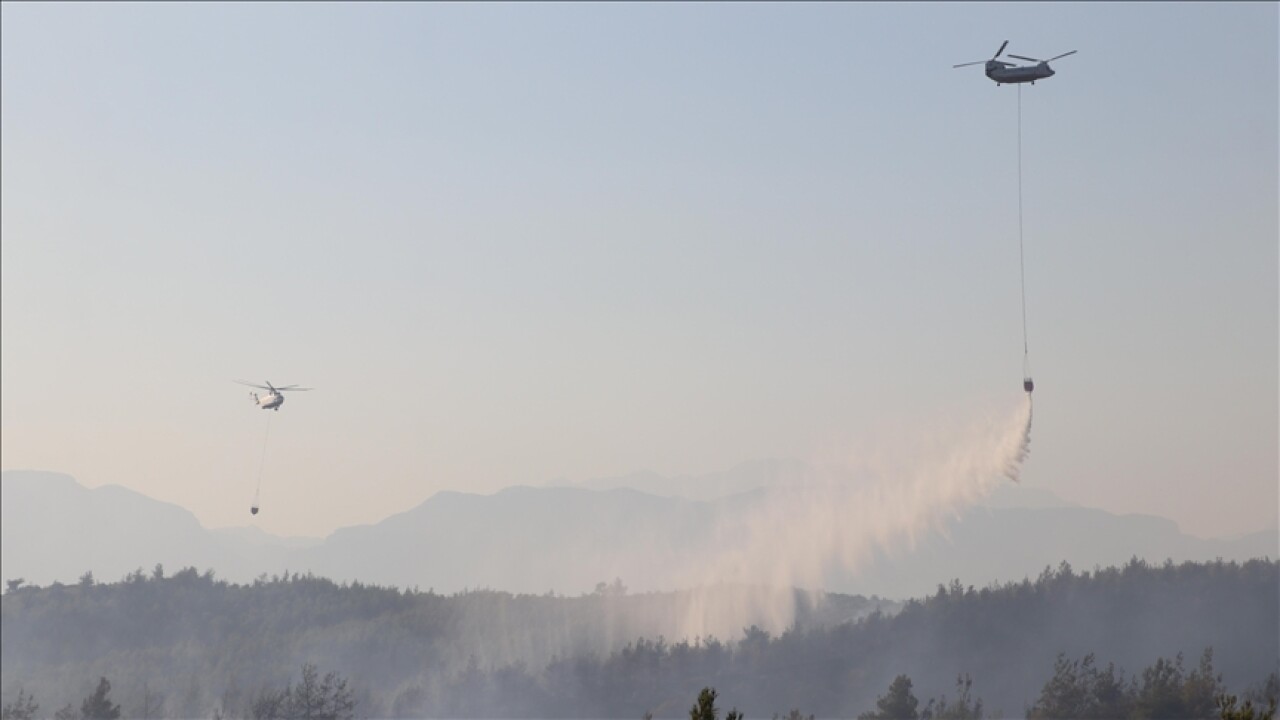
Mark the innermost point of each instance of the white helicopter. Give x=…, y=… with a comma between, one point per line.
x=1002, y=72
x=273, y=399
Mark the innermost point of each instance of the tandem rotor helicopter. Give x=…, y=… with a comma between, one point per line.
x=273, y=399
x=1002, y=72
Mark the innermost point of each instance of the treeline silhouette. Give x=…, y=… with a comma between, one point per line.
x=313, y=698
x=189, y=645
x=1078, y=689
x=1081, y=689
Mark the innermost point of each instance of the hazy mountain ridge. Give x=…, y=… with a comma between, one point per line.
x=566, y=539
x=521, y=539
x=56, y=529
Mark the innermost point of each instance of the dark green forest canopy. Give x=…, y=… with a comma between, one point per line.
x=200, y=645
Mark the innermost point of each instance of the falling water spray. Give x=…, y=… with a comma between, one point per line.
x=836, y=524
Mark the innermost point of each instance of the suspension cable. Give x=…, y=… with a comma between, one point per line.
x=257, y=493
x=1022, y=266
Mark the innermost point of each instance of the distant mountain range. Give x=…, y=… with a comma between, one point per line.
x=565, y=539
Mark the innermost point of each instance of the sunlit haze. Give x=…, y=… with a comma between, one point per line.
x=519, y=244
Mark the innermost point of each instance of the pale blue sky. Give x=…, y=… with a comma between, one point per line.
x=516, y=243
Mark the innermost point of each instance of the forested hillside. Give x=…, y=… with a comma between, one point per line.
x=189, y=645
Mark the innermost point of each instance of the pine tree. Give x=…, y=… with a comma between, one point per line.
x=705, y=707
x=98, y=706
x=23, y=708
x=898, y=704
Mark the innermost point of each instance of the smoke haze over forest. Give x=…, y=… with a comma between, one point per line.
x=206, y=645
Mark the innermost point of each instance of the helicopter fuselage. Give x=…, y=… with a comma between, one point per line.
x=274, y=397
x=1002, y=73
x=270, y=401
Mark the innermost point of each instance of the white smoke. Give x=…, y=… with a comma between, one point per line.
x=837, y=522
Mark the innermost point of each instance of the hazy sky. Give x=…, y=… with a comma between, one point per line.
x=517, y=244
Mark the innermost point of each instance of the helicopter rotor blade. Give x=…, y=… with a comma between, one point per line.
x=1002, y=47
x=1020, y=57
x=1073, y=52
x=260, y=387
x=978, y=62
x=292, y=388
